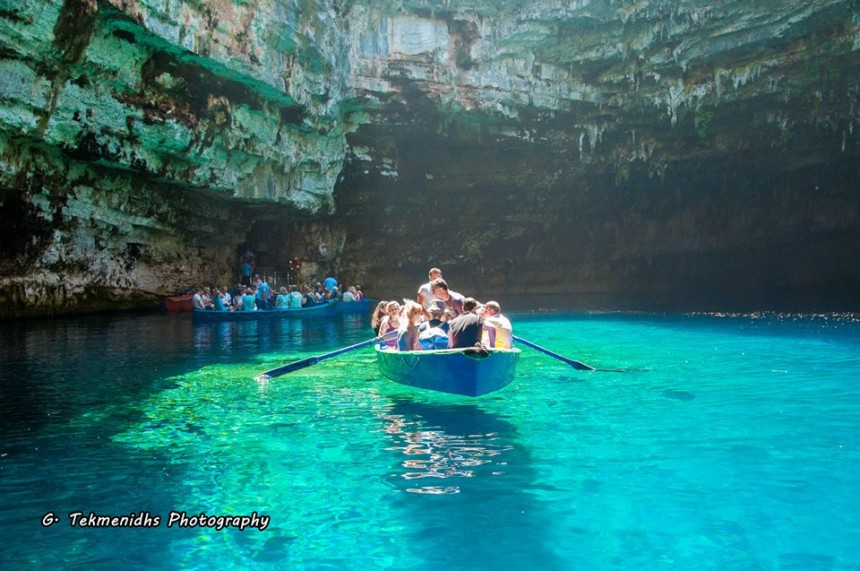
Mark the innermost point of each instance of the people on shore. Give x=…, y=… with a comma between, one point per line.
x=247, y=269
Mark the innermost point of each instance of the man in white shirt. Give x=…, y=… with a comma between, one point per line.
x=499, y=331
x=197, y=300
x=425, y=292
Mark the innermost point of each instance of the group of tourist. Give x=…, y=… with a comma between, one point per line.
x=441, y=319
x=262, y=296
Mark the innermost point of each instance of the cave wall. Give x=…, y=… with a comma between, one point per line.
x=696, y=149
x=140, y=141
x=704, y=152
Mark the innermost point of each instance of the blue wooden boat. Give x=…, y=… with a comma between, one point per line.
x=322, y=310
x=458, y=371
x=365, y=306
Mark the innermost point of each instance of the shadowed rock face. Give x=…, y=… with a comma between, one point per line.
x=694, y=150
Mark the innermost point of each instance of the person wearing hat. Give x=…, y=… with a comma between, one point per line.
x=433, y=334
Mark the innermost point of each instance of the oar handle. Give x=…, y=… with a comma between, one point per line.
x=310, y=361
x=573, y=363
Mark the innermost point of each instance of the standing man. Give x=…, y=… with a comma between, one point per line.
x=246, y=272
x=498, y=327
x=329, y=285
x=263, y=295
x=425, y=292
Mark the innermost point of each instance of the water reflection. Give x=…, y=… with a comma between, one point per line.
x=446, y=442
x=467, y=483
x=251, y=337
x=53, y=370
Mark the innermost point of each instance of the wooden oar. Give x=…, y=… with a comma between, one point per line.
x=572, y=362
x=310, y=361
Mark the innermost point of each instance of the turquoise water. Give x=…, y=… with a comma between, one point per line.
x=730, y=442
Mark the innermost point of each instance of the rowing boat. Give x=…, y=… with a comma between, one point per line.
x=179, y=303
x=469, y=372
x=210, y=316
x=365, y=305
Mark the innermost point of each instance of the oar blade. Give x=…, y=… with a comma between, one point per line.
x=572, y=362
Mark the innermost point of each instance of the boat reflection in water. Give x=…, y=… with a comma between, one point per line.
x=468, y=486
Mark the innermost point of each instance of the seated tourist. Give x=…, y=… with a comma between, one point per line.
x=465, y=329
x=283, y=299
x=308, y=297
x=295, y=297
x=390, y=322
x=377, y=315
x=218, y=301
x=226, y=298
x=349, y=294
x=500, y=334
x=433, y=334
x=197, y=300
x=407, y=333
x=358, y=293
x=249, y=301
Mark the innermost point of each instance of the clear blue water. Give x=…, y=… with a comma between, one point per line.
x=730, y=442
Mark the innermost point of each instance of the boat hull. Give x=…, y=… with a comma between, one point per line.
x=179, y=303
x=455, y=371
x=260, y=315
x=364, y=306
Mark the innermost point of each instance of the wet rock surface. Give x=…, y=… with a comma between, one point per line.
x=693, y=151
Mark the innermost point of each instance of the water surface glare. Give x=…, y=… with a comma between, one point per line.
x=729, y=442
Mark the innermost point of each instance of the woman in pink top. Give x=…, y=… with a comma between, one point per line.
x=390, y=322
